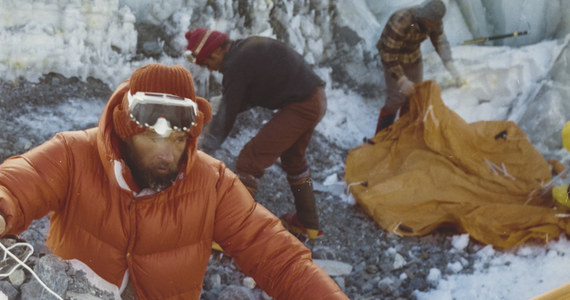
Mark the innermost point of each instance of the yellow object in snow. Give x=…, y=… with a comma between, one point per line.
x=217, y=247
x=560, y=193
x=433, y=169
x=566, y=136
x=562, y=292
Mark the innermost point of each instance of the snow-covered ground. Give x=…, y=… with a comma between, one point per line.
x=522, y=273
x=97, y=39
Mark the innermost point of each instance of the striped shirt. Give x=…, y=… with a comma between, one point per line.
x=401, y=39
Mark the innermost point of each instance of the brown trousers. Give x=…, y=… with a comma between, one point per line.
x=394, y=97
x=286, y=135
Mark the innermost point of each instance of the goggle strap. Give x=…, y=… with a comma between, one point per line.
x=203, y=42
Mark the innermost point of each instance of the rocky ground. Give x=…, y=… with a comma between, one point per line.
x=383, y=265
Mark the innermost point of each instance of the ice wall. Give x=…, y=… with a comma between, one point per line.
x=544, y=114
x=73, y=38
x=540, y=18
x=106, y=39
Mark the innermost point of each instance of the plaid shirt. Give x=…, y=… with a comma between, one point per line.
x=401, y=39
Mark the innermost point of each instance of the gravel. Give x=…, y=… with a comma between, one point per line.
x=384, y=265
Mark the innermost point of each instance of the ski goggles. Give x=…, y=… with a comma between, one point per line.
x=146, y=109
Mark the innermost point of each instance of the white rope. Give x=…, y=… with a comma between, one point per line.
x=394, y=230
x=496, y=169
x=6, y=251
x=430, y=113
x=347, y=191
x=23, y=264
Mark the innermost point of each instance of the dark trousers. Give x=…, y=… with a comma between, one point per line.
x=286, y=135
x=394, y=97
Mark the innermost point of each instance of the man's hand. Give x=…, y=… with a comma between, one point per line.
x=406, y=86
x=450, y=66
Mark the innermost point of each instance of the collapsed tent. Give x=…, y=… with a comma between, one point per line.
x=432, y=169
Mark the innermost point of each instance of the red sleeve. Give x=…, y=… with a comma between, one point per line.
x=34, y=183
x=280, y=264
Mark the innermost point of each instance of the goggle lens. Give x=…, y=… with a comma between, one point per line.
x=146, y=108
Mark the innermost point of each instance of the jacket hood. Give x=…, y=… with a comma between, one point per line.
x=109, y=142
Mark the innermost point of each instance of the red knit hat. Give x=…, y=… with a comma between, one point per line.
x=202, y=42
x=159, y=78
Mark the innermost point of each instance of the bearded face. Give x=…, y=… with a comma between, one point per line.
x=154, y=159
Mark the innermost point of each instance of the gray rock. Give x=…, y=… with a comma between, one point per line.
x=320, y=252
x=17, y=277
x=213, y=281
x=249, y=282
x=334, y=268
x=8, y=290
x=32, y=290
x=340, y=282
x=371, y=269
x=77, y=296
x=52, y=271
x=399, y=261
x=234, y=292
x=388, y=285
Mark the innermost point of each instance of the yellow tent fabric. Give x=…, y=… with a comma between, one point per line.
x=432, y=169
x=559, y=293
x=566, y=136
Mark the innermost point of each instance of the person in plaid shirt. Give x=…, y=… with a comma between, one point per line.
x=399, y=49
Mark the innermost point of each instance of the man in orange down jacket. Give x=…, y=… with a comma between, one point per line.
x=141, y=206
x=264, y=72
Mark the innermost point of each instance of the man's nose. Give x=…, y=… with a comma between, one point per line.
x=166, y=157
x=166, y=152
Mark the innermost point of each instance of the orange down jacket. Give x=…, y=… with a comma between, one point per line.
x=163, y=240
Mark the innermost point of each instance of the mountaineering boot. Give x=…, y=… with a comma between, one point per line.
x=291, y=223
x=385, y=119
x=250, y=183
x=306, y=220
